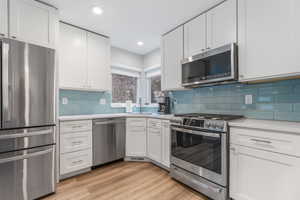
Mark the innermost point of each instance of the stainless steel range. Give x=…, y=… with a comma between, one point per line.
x=199, y=153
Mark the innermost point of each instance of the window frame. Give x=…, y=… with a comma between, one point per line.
x=151, y=72
x=126, y=71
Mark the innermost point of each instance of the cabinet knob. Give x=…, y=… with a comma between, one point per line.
x=13, y=37
x=242, y=76
x=2, y=34
x=208, y=48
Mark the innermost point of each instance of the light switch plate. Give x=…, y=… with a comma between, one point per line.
x=102, y=101
x=65, y=101
x=249, y=99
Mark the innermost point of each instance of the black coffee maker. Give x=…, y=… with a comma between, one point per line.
x=164, y=105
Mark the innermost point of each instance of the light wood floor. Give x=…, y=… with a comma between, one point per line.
x=124, y=181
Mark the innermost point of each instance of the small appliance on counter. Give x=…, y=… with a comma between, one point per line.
x=128, y=106
x=164, y=105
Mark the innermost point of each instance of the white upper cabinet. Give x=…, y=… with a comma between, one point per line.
x=195, y=36
x=222, y=24
x=84, y=60
x=33, y=22
x=212, y=29
x=98, y=52
x=72, y=57
x=268, y=39
x=172, y=55
x=3, y=18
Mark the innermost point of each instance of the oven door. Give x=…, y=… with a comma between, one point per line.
x=216, y=65
x=200, y=152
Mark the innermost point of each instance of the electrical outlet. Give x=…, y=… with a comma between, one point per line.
x=102, y=101
x=65, y=101
x=248, y=99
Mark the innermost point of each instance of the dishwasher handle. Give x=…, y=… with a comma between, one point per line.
x=105, y=122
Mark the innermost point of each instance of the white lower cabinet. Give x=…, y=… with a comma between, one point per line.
x=136, y=137
x=154, y=140
x=76, y=152
x=260, y=174
x=75, y=161
x=149, y=139
x=166, y=143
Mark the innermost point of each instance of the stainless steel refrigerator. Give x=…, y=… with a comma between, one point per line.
x=27, y=132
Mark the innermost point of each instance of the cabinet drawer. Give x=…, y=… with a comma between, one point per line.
x=76, y=161
x=75, y=141
x=284, y=143
x=136, y=122
x=154, y=123
x=75, y=126
x=134, y=129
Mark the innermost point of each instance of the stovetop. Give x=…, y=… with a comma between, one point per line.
x=209, y=116
x=212, y=122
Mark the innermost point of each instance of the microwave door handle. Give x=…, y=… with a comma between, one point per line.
x=6, y=88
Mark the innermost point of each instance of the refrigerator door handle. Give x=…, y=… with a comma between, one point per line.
x=34, y=133
x=25, y=156
x=6, y=88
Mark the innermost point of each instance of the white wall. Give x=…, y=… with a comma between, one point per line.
x=124, y=57
x=152, y=59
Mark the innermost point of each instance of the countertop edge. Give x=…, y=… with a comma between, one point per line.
x=90, y=117
x=267, y=125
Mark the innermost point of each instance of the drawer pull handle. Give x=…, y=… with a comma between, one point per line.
x=261, y=141
x=78, y=126
x=77, y=162
x=76, y=143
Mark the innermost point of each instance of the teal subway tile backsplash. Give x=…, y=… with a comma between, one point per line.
x=86, y=103
x=274, y=101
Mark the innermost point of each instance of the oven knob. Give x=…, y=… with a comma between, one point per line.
x=213, y=125
x=207, y=124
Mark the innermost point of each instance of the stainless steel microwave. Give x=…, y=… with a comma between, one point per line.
x=212, y=67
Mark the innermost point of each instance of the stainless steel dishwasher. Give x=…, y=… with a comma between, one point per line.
x=108, y=140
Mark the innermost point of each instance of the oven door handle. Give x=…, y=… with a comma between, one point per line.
x=215, y=135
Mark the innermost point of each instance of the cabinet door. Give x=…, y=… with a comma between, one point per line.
x=154, y=144
x=166, y=145
x=195, y=36
x=72, y=58
x=222, y=24
x=98, y=58
x=261, y=175
x=33, y=22
x=136, y=137
x=172, y=49
x=268, y=41
x=3, y=18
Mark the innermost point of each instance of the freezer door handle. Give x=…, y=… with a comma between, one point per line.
x=26, y=156
x=6, y=88
x=30, y=134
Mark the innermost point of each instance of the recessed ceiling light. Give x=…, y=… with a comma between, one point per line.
x=140, y=43
x=97, y=10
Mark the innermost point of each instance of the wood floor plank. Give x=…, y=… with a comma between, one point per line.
x=124, y=181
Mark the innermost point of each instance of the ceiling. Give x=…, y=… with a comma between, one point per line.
x=128, y=21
